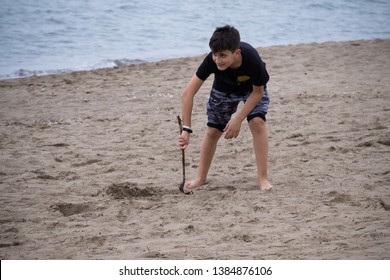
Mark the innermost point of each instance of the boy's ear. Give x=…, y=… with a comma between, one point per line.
x=237, y=52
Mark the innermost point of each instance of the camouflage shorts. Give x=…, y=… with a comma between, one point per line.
x=222, y=106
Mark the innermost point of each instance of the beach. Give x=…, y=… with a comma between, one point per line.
x=90, y=165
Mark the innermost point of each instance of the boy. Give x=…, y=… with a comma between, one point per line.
x=239, y=75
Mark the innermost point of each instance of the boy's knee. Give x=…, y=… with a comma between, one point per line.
x=257, y=121
x=213, y=133
x=257, y=124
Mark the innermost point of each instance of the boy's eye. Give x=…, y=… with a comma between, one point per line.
x=219, y=55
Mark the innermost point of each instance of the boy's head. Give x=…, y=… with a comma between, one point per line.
x=225, y=38
x=225, y=47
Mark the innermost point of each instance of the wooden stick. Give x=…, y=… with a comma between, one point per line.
x=182, y=157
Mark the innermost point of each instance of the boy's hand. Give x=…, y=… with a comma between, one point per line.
x=232, y=129
x=184, y=140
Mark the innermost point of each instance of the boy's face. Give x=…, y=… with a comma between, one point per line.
x=226, y=59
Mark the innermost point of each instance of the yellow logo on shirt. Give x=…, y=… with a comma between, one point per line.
x=242, y=79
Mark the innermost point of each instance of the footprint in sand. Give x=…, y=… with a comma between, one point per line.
x=69, y=209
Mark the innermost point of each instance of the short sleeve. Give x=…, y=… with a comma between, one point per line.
x=261, y=76
x=206, y=68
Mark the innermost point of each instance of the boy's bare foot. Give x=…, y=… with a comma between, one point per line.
x=265, y=185
x=189, y=186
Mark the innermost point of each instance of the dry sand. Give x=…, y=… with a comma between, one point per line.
x=90, y=165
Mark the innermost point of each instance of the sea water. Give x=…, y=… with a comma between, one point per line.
x=50, y=36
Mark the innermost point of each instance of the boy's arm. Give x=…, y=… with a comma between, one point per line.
x=232, y=129
x=187, y=101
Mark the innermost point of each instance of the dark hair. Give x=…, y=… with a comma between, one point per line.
x=225, y=38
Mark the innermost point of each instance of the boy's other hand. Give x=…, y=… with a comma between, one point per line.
x=184, y=140
x=232, y=129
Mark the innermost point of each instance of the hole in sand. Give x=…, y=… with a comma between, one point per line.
x=123, y=190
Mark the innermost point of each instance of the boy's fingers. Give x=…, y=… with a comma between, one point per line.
x=183, y=146
x=226, y=127
x=229, y=134
x=183, y=143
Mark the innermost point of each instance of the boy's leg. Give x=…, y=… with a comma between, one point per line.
x=209, y=145
x=259, y=131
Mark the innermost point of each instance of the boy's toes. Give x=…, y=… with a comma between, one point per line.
x=184, y=189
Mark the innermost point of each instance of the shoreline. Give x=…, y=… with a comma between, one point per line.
x=125, y=62
x=90, y=168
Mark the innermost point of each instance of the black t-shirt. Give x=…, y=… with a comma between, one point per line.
x=240, y=80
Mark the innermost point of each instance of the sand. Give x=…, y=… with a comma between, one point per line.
x=90, y=165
